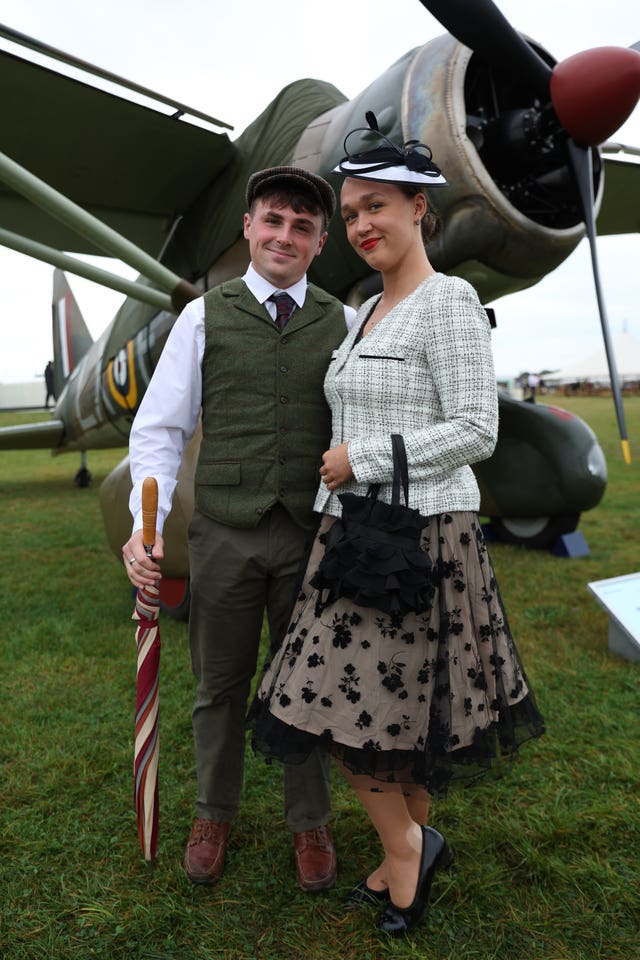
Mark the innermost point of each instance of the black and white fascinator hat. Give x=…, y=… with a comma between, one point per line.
x=388, y=162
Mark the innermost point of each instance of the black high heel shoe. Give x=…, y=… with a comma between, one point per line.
x=362, y=894
x=397, y=921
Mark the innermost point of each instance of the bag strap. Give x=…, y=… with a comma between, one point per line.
x=400, y=470
x=400, y=473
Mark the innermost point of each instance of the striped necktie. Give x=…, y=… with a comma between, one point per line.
x=284, y=308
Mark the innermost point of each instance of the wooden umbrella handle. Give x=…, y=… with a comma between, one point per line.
x=149, y=510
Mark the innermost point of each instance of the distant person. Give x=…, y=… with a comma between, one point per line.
x=48, y=382
x=255, y=367
x=533, y=382
x=407, y=703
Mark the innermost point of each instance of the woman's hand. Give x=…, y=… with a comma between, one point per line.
x=336, y=469
x=141, y=569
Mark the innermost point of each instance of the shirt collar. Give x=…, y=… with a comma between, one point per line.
x=262, y=289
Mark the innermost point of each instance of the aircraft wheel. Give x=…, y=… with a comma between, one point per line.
x=536, y=533
x=174, y=598
x=83, y=477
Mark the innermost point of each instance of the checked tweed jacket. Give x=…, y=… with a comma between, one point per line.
x=425, y=371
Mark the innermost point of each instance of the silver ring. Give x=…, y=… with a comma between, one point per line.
x=132, y=560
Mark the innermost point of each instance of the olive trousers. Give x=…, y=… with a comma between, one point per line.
x=236, y=576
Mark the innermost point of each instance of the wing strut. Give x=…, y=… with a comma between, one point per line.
x=104, y=237
x=66, y=262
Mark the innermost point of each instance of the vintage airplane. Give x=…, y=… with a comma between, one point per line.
x=518, y=135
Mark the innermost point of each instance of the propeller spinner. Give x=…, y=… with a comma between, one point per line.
x=582, y=100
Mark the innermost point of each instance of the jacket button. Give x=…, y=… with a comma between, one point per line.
x=259, y=510
x=283, y=492
x=281, y=460
x=284, y=369
x=284, y=399
x=284, y=340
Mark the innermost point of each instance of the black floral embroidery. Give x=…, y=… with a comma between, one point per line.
x=308, y=694
x=392, y=673
x=348, y=684
x=497, y=662
x=342, y=637
x=478, y=678
x=364, y=720
x=414, y=688
x=393, y=682
x=424, y=674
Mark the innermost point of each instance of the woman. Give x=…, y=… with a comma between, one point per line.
x=409, y=703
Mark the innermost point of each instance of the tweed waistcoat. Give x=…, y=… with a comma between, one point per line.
x=265, y=421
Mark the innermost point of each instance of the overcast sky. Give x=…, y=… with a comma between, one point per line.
x=230, y=63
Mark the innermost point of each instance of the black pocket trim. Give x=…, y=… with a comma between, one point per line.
x=377, y=356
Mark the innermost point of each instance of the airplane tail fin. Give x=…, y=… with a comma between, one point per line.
x=71, y=338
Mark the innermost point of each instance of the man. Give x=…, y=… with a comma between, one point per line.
x=48, y=382
x=265, y=426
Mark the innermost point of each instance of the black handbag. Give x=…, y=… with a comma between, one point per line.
x=372, y=553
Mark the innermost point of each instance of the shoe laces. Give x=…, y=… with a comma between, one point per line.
x=317, y=837
x=207, y=830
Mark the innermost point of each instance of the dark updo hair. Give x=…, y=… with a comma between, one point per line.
x=429, y=223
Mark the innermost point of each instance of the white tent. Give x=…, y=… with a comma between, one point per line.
x=594, y=368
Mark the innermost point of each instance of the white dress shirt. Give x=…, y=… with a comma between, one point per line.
x=169, y=412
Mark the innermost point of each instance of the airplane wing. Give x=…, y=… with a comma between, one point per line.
x=619, y=213
x=133, y=167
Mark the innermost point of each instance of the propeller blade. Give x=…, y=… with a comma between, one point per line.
x=489, y=34
x=592, y=93
x=595, y=91
x=581, y=164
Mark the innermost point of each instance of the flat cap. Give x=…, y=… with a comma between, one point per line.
x=289, y=178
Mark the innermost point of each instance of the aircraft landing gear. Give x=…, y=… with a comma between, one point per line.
x=84, y=476
x=535, y=533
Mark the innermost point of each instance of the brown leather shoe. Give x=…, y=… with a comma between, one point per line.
x=206, y=850
x=316, y=864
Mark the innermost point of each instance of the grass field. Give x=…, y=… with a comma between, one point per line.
x=547, y=859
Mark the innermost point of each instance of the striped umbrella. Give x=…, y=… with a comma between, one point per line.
x=146, y=749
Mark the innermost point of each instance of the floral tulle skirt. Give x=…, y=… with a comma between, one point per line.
x=424, y=699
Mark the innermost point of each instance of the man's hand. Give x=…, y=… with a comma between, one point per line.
x=336, y=469
x=141, y=569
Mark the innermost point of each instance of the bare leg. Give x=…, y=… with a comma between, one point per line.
x=401, y=838
x=397, y=819
x=418, y=805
